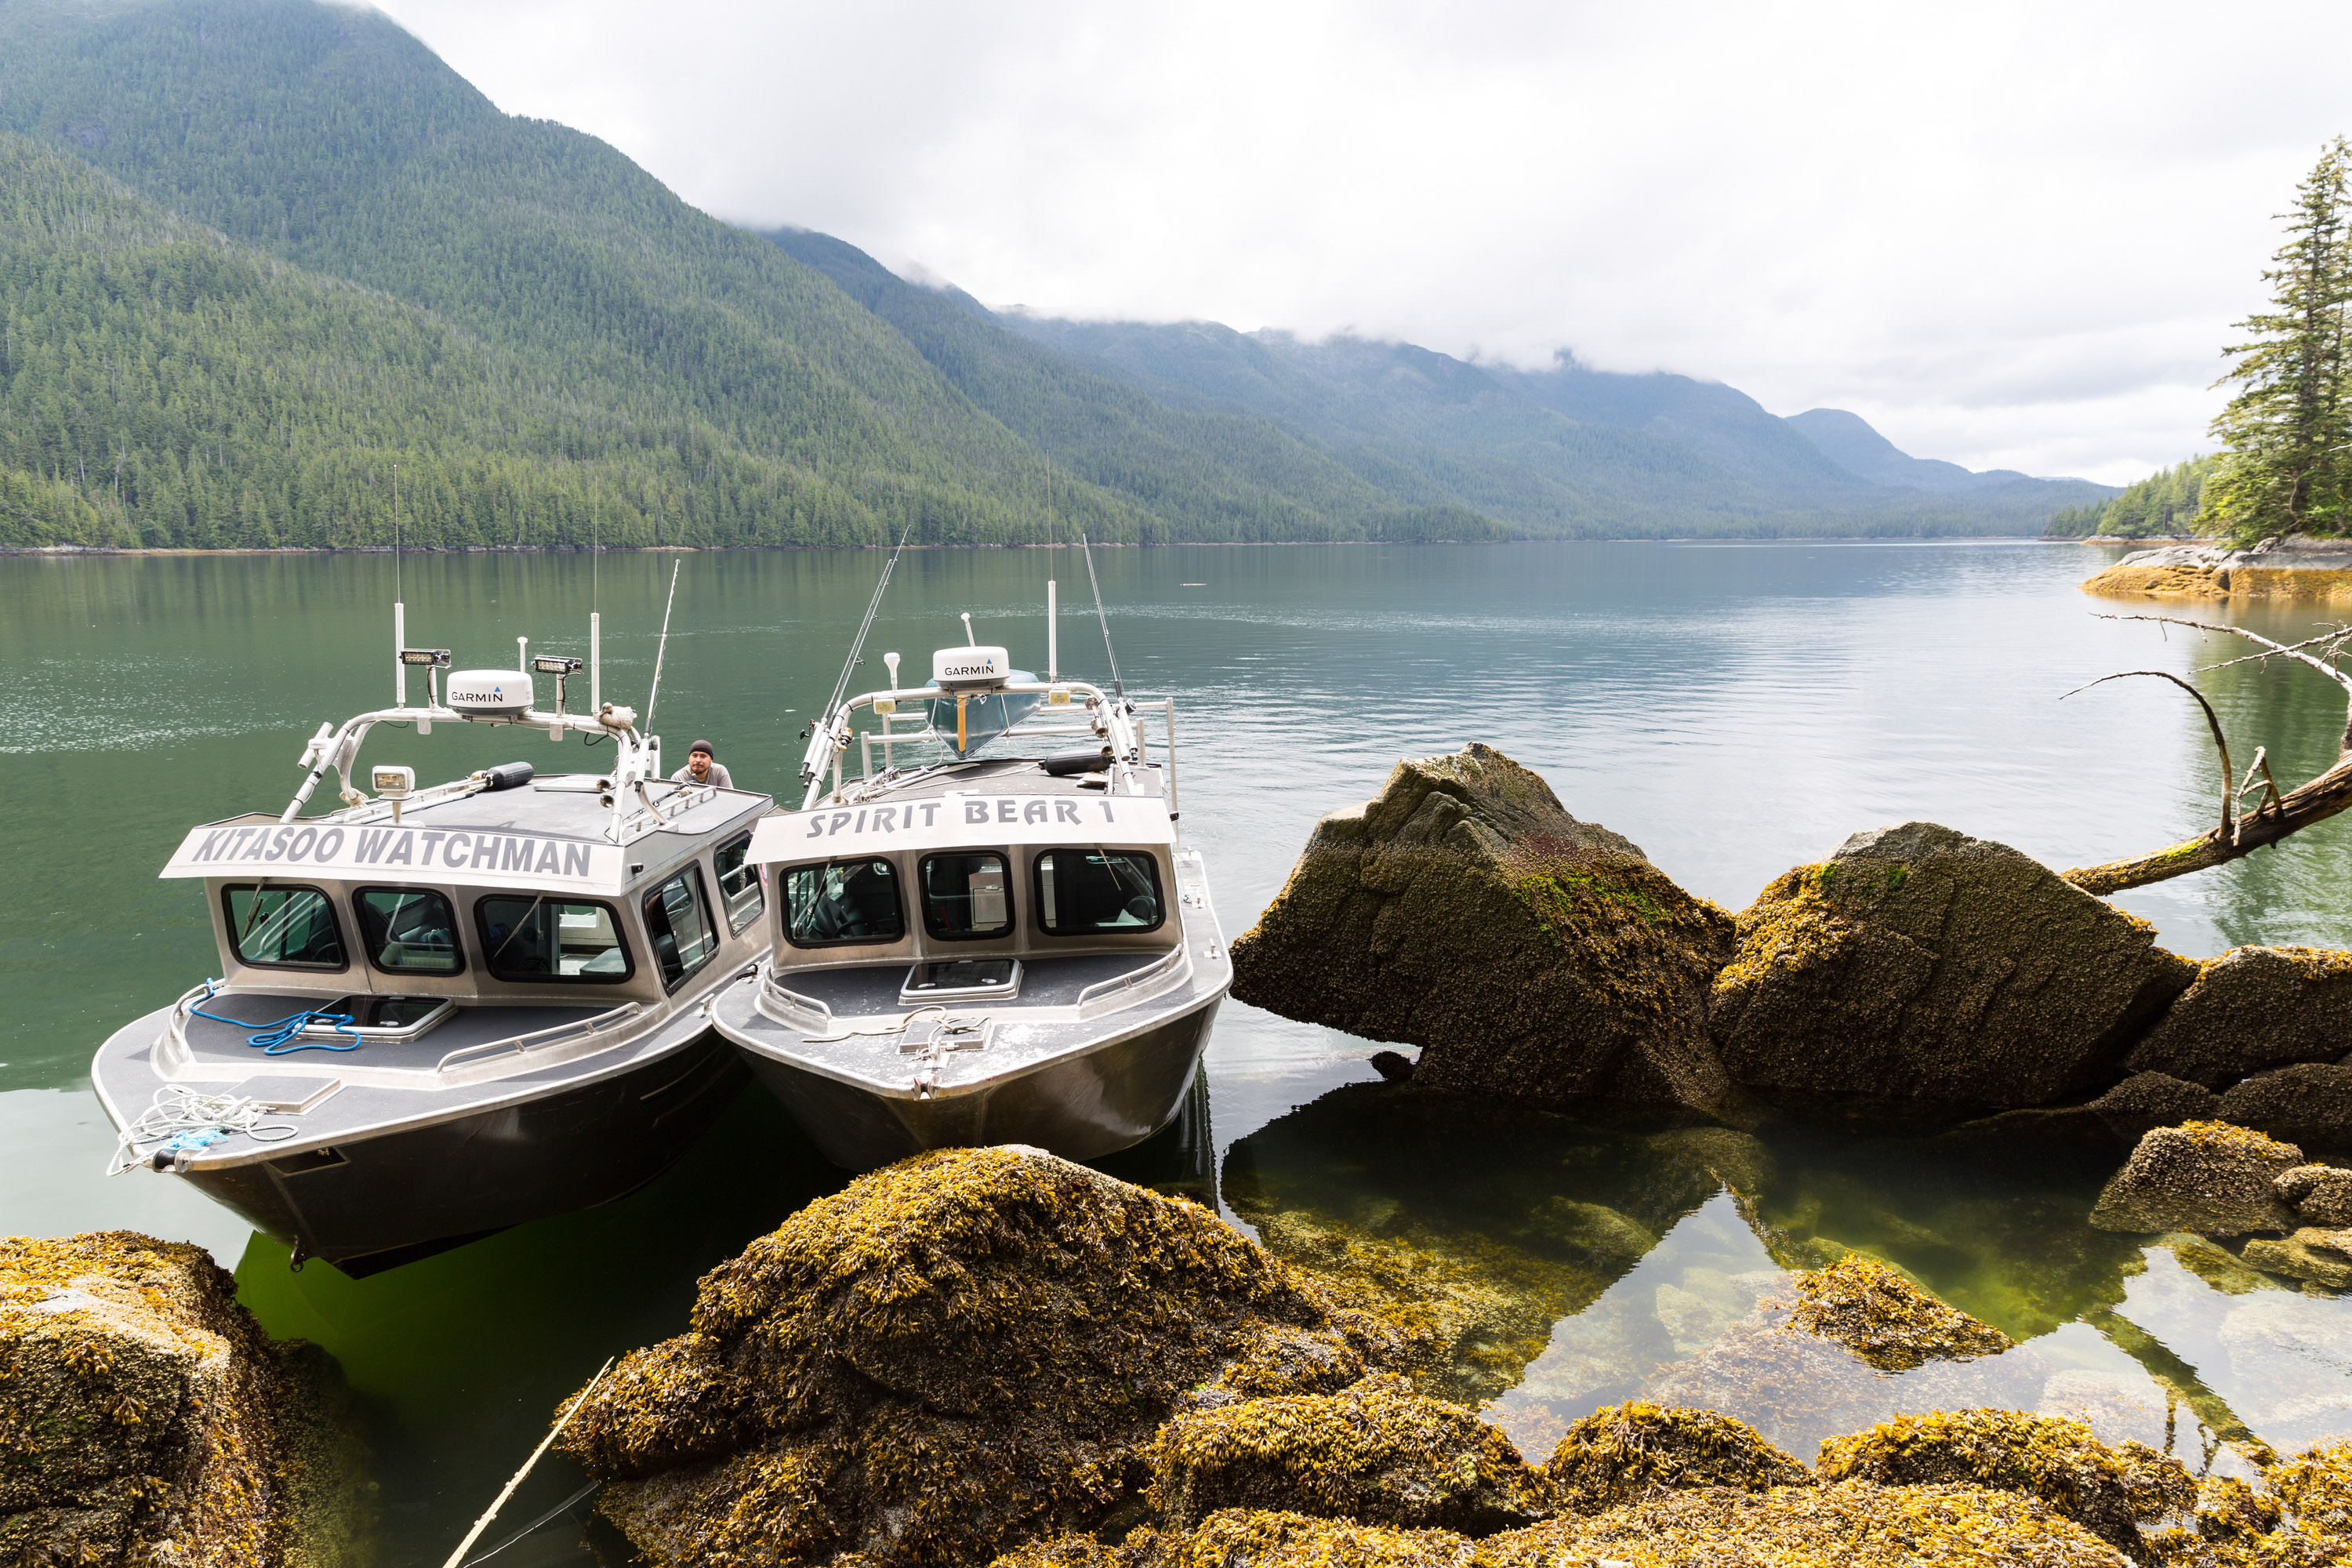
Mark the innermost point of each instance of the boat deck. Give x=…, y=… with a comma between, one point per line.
x=214, y=1044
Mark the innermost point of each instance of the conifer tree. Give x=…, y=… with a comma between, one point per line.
x=2286, y=466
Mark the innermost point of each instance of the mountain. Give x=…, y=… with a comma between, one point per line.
x=1848, y=440
x=262, y=261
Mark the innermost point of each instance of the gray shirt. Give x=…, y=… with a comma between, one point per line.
x=718, y=775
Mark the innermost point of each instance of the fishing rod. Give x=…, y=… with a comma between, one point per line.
x=654, y=696
x=856, y=651
x=1117, y=689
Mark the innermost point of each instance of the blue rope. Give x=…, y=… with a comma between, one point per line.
x=273, y=1037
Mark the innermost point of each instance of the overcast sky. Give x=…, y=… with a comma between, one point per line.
x=2008, y=235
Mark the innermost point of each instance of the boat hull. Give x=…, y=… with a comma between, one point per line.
x=1081, y=1105
x=463, y=1179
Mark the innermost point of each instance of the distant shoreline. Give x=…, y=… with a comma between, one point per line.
x=74, y=551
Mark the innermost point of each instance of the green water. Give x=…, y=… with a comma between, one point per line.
x=1735, y=710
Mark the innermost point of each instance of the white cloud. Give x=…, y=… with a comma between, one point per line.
x=2007, y=234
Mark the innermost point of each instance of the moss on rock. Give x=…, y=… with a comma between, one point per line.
x=1920, y=965
x=2210, y=1177
x=2250, y=1009
x=2114, y=1492
x=1465, y=910
x=146, y=1417
x=1620, y=1453
x=1377, y=1453
x=1884, y=1317
x=1851, y=1524
x=963, y=1350
x=2322, y=1256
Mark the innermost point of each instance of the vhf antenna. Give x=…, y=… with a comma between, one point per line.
x=655, y=695
x=857, y=646
x=1118, y=690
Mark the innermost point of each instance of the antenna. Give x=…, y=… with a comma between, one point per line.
x=595, y=598
x=1052, y=605
x=655, y=695
x=865, y=627
x=1117, y=689
x=399, y=610
x=969, y=640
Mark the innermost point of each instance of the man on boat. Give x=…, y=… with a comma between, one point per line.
x=702, y=768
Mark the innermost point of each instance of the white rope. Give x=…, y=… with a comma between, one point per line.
x=848, y=1031
x=183, y=1121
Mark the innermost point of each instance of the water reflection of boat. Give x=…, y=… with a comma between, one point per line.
x=445, y=1011
x=981, y=950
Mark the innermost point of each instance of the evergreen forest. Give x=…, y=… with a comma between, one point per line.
x=2165, y=505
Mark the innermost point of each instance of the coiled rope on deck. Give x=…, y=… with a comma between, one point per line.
x=184, y=1121
x=273, y=1038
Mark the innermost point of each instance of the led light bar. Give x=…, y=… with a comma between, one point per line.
x=554, y=664
x=431, y=657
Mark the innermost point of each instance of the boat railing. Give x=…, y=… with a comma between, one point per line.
x=1120, y=990
x=771, y=988
x=590, y=1025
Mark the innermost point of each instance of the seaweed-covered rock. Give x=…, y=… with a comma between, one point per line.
x=2294, y=567
x=2309, y=1104
x=146, y=1417
x=2252, y=1008
x=1619, y=1453
x=1884, y=1318
x=2320, y=1193
x=2205, y=1176
x=2112, y=1493
x=966, y=1349
x=2322, y=1256
x=1377, y=1453
x=1920, y=964
x=1852, y=1524
x=2315, y=1485
x=1256, y=1538
x=1533, y=955
x=1142, y=1549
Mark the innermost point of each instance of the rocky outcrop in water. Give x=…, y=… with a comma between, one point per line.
x=2205, y=1176
x=949, y=1355
x=1621, y=1453
x=1884, y=1318
x=146, y=1418
x=2293, y=568
x=2251, y=1009
x=1528, y=953
x=2320, y=1193
x=1920, y=964
x=1378, y=1453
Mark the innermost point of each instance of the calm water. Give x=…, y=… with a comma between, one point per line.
x=1735, y=710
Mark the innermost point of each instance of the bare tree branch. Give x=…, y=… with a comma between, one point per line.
x=2213, y=722
x=2279, y=816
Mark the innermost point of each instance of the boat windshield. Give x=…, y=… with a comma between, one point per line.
x=1085, y=892
x=679, y=924
x=284, y=928
x=408, y=931
x=965, y=897
x=841, y=902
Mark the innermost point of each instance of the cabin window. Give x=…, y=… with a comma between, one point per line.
x=678, y=923
x=841, y=902
x=739, y=883
x=966, y=897
x=284, y=928
x=408, y=931
x=1089, y=892
x=543, y=938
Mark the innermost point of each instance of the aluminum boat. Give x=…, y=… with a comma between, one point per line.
x=443, y=1011
x=969, y=949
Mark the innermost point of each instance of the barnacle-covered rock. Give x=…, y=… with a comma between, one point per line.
x=1257, y=1538
x=2322, y=1256
x=2112, y=1493
x=1531, y=955
x=2309, y=1105
x=2252, y=1008
x=2207, y=1176
x=963, y=1350
x=1851, y=1524
x=1142, y=1549
x=1620, y=1453
x=2320, y=1193
x=145, y=1417
x=1884, y=1318
x=1918, y=964
x=1377, y=1453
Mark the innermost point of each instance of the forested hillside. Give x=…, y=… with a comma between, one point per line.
x=2166, y=504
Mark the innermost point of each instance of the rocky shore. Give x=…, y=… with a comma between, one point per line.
x=2296, y=568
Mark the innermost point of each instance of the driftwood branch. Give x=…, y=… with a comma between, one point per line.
x=2212, y=722
x=2279, y=815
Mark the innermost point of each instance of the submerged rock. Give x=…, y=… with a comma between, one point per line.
x=966, y=1349
x=1884, y=1318
x=2322, y=1256
x=2114, y=1492
x=1532, y=956
x=2309, y=1104
x=2204, y=1176
x=1620, y=1453
x=2321, y=1193
x=1852, y=1524
x=2252, y=1008
x=1920, y=964
x=1378, y=1454
x=145, y=1417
